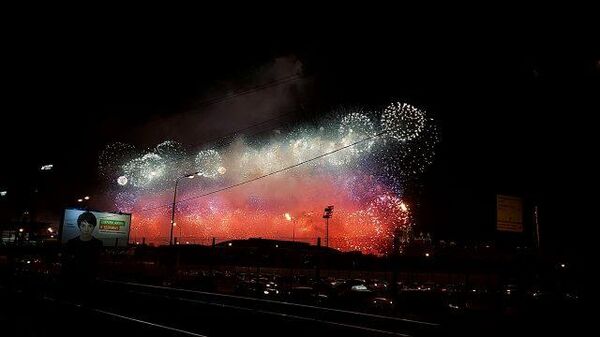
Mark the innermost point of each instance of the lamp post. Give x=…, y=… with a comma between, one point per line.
x=173, y=223
x=327, y=214
x=291, y=219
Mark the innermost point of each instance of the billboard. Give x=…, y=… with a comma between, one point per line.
x=509, y=212
x=110, y=229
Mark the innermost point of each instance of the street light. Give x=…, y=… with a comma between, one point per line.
x=291, y=219
x=47, y=167
x=173, y=223
x=86, y=198
x=328, y=213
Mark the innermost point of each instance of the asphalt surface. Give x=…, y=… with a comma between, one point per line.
x=123, y=308
x=111, y=308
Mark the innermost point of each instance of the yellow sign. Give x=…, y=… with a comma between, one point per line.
x=509, y=213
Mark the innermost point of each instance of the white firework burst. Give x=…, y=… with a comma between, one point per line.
x=112, y=157
x=402, y=121
x=355, y=127
x=146, y=171
x=208, y=163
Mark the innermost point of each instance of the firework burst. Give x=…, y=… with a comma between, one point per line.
x=365, y=181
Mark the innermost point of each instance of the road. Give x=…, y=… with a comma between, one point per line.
x=132, y=309
x=123, y=308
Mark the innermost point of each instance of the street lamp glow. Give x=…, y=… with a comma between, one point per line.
x=174, y=224
x=3, y=193
x=289, y=218
x=87, y=197
x=50, y=229
x=47, y=167
x=20, y=230
x=403, y=207
x=426, y=254
x=79, y=200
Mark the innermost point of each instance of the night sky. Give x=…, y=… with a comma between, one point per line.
x=515, y=108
